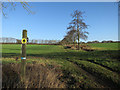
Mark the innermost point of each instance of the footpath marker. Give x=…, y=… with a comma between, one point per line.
x=23, y=56
x=24, y=41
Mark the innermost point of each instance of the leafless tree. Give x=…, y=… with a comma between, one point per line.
x=18, y=41
x=7, y=40
x=79, y=25
x=36, y=41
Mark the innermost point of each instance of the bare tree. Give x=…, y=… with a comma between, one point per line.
x=0, y=40
x=45, y=41
x=7, y=40
x=79, y=25
x=3, y=40
x=32, y=41
x=39, y=41
x=72, y=35
x=12, y=5
x=65, y=40
x=18, y=41
x=36, y=41
x=42, y=41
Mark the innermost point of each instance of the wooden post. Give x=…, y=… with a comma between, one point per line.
x=23, y=56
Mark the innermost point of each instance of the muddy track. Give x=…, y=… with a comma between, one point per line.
x=100, y=82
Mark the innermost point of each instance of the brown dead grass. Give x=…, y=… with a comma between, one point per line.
x=37, y=76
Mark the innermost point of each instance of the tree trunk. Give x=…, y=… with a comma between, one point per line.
x=78, y=40
x=78, y=33
x=74, y=42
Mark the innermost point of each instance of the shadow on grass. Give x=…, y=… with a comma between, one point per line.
x=70, y=80
x=109, y=54
x=10, y=55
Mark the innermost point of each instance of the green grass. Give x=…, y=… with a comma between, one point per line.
x=99, y=71
x=104, y=62
x=105, y=46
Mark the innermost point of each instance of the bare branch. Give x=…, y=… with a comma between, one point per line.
x=12, y=5
x=77, y=25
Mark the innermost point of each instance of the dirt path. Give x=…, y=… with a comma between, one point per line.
x=100, y=82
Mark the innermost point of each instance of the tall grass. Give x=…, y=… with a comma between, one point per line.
x=37, y=76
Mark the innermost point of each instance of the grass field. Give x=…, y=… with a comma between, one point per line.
x=79, y=69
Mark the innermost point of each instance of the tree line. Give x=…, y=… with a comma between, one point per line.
x=104, y=41
x=35, y=41
x=32, y=41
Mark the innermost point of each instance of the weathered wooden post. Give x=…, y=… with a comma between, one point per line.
x=23, y=56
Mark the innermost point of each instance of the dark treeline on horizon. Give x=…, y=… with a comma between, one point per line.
x=40, y=41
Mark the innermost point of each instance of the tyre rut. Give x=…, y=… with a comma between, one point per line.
x=100, y=82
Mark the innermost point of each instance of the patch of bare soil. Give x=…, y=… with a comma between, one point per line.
x=37, y=76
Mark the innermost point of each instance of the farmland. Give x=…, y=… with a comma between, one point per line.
x=99, y=68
